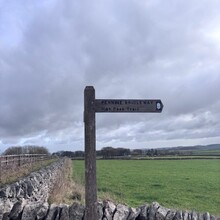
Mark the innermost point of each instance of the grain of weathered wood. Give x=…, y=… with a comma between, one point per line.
x=90, y=154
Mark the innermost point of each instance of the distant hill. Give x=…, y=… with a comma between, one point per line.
x=195, y=147
x=211, y=149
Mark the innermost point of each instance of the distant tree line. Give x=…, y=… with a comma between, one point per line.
x=111, y=153
x=106, y=152
x=30, y=149
x=145, y=152
x=71, y=154
x=161, y=152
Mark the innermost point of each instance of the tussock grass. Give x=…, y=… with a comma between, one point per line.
x=66, y=190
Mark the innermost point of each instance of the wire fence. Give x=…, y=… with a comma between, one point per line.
x=9, y=162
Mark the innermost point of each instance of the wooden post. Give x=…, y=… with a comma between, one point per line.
x=91, y=106
x=90, y=154
x=19, y=160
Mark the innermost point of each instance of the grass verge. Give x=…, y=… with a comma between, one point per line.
x=66, y=190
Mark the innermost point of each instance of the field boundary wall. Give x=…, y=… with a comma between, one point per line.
x=31, y=191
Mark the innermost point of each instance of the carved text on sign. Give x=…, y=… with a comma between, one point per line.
x=130, y=105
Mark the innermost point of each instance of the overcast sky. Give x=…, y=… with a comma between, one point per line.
x=146, y=49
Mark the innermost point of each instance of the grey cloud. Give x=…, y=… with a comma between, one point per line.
x=126, y=50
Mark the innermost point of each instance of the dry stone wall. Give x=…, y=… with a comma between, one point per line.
x=31, y=191
x=106, y=211
x=27, y=200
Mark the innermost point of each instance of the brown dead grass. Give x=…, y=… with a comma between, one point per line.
x=66, y=190
x=13, y=173
x=70, y=188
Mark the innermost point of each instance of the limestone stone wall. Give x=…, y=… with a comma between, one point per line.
x=30, y=191
x=106, y=211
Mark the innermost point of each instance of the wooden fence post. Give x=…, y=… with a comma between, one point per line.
x=90, y=154
x=19, y=160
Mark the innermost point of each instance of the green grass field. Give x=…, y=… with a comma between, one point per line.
x=180, y=184
x=206, y=152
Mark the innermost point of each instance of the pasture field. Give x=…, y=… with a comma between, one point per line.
x=206, y=152
x=180, y=184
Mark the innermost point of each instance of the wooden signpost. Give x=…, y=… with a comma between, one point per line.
x=91, y=106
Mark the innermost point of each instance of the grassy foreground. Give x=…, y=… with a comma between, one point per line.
x=180, y=184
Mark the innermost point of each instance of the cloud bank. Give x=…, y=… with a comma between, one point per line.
x=49, y=52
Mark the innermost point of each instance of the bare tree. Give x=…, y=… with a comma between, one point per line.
x=17, y=150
